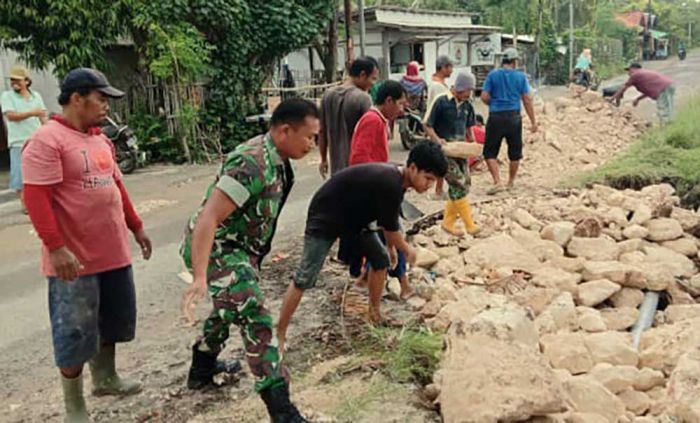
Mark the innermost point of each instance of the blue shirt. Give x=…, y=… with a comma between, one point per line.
x=506, y=87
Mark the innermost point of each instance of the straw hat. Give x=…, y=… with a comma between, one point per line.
x=19, y=72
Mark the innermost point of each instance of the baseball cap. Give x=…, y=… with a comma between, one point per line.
x=465, y=81
x=633, y=65
x=91, y=79
x=443, y=61
x=511, y=53
x=19, y=72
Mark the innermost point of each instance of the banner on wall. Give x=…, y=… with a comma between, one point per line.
x=484, y=51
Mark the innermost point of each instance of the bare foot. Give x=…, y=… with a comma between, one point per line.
x=407, y=293
x=361, y=282
x=375, y=316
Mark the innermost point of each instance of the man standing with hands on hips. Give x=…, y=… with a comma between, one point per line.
x=503, y=91
x=81, y=211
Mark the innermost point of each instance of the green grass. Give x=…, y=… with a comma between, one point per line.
x=670, y=154
x=408, y=354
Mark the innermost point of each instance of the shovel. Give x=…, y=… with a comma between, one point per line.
x=410, y=212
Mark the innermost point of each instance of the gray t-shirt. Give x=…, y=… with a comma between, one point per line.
x=341, y=109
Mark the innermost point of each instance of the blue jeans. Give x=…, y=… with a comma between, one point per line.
x=92, y=309
x=16, y=168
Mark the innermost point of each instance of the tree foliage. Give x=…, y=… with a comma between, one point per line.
x=66, y=33
x=237, y=42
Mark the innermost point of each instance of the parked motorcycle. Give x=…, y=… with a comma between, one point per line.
x=125, y=144
x=411, y=129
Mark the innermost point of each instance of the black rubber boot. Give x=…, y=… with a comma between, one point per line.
x=205, y=366
x=202, y=370
x=279, y=407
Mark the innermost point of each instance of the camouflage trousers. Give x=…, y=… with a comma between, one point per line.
x=458, y=178
x=238, y=300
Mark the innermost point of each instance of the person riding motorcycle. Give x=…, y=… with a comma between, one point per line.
x=584, y=67
x=681, y=51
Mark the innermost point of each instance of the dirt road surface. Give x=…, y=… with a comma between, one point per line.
x=165, y=196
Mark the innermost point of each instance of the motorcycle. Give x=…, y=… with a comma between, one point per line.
x=411, y=129
x=583, y=79
x=681, y=54
x=125, y=143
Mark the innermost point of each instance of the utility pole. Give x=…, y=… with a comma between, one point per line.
x=349, y=54
x=571, y=36
x=361, y=12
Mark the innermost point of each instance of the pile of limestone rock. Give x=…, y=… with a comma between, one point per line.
x=538, y=311
x=576, y=132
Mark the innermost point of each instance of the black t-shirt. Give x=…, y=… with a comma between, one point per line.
x=355, y=197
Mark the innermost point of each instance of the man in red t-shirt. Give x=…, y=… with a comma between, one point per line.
x=81, y=211
x=653, y=85
x=370, y=140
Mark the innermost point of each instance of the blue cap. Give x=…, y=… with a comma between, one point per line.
x=89, y=78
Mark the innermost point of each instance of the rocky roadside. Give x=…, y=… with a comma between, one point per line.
x=538, y=310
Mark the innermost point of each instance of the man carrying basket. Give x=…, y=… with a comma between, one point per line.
x=449, y=122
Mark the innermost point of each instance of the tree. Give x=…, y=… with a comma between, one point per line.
x=66, y=34
x=247, y=37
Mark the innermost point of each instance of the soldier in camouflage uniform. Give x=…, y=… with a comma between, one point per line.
x=225, y=242
x=450, y=118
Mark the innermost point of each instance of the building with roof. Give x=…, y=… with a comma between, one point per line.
x=396, y=36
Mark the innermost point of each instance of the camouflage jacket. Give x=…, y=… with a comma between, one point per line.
x=258, y=181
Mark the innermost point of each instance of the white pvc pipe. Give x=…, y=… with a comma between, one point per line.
x=646, y=316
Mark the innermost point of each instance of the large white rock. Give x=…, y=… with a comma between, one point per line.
x=526, y=220
x=499, y=251
x=684, y=388
x=662, y=346
x=590, y=396
x=590, y=320
x=663, y=229
x=556, y=278
x=686, y=246
x=447, y=252
x=479, y=361
x=636, y=402
x=641, y=215
x=567, y=264
x=630, y=245
x=692, y=285
x=648, y=379
x=612, y=347
x=561, y=313
x=628, y=297
x=614, y=271
x=567, y=351
x=543, y=249
x=559, y=232
x=447, y=266
x=592, y=293
x=666, y=259
x=677, y=312
x=615, y=378
x=688, y=219
x=596, y=249
x=635, y=232
x=621, y=318
x=426, y=258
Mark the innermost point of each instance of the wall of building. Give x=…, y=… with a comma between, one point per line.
x=43, y=81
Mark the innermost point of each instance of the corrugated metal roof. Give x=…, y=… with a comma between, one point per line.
x=439, y=21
